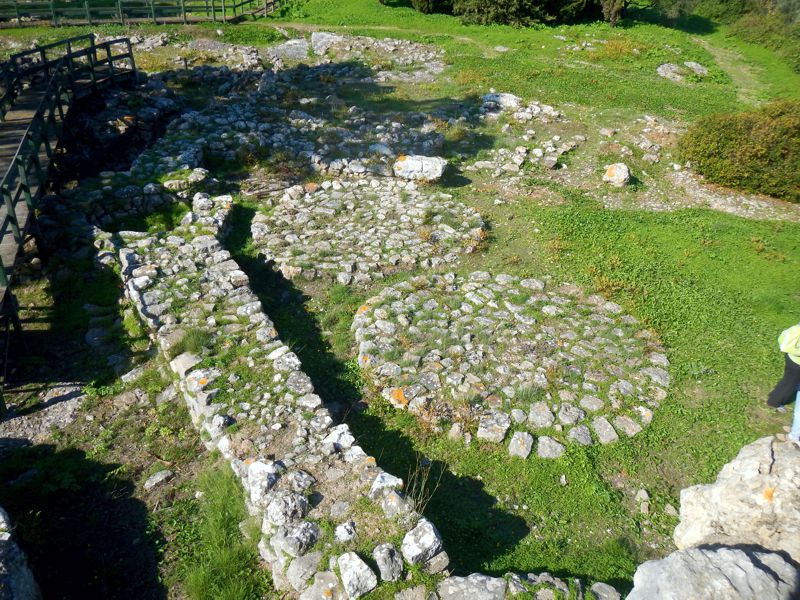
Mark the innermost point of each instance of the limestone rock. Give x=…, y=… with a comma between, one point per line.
x=321, y=41
x=618, y=175
x=286, y=507
x=549, y=448
x=421, y=543
x=302, y=569
x=603, y=591
x=357, y=577
x=540, y=415
x=474, y=587
x=696, y=67
x=493, y=426
x=521, y=444
x=670, y=71
x=420, y=168
x=716, y=574
x=16, y=579
x=158, y=478
x=755, y=500
x=325, y=586
x=389, y=562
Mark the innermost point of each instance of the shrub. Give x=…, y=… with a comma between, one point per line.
x=524, y=12
x=757, y=151
x=433, y=6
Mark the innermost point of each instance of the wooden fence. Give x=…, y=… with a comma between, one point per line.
x=69, y=12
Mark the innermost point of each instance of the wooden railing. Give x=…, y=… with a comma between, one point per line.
x=74, y=73
x=128, y=11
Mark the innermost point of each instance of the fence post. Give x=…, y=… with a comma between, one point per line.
x=153, y=12
x=183, y=11
x=53, y=13
x=19, y=16
x=88, y=12
x=12, y=214
x=121, y=17
x=213, y=11
x=223, y=11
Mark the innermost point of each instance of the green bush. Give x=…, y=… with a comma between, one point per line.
x=433, y=6
x=525, y=12
x=757, y=151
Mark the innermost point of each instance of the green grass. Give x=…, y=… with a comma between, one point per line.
x=164, y=218
x=220, y=564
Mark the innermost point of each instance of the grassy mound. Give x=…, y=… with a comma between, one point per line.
x=757, y=151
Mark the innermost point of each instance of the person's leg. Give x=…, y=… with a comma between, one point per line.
x=794, y=434
x=786, y=389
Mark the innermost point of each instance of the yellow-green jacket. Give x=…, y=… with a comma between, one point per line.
x=789, y=342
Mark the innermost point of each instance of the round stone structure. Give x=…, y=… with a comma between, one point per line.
x=512, y=355
x=360, y=230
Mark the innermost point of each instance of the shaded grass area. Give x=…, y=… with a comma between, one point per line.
x=85, y=533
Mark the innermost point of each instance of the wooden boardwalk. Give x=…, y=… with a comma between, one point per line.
x=30, y=131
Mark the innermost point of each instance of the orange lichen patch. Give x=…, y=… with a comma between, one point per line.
x=370, y=460
x=362, y=309
x=311, y=187
x=327, y=593
x=228, y=205
x=202, y=380
x=402, y=157
x=399, y=396
x=249, y=461
x=768, y=493
x=365, y=359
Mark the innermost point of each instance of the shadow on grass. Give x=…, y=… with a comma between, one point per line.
x=85, y=534
x=474, y=529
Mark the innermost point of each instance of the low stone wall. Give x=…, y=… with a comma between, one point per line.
x=16, y=579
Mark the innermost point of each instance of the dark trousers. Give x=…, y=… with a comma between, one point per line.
x=786, y=390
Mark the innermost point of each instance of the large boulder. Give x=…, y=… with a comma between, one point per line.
x=755, y=500
x=420, y=168
x=716, y=574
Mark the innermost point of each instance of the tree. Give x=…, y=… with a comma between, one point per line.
x=612, y=10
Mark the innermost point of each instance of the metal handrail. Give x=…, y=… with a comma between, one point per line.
x=44, y=130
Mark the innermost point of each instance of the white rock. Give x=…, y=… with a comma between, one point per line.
x=421, y=543
x=617, y=175
x=716, y=574
x=755, y=500
x=420, y=168
x=357, y=577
